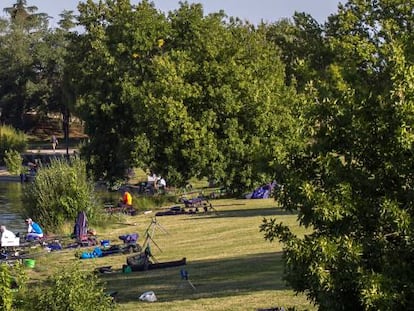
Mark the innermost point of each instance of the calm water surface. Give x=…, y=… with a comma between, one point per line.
x=11, y=206
x=11, y=214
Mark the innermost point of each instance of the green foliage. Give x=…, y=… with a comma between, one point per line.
x=22, y=87
x=6, y=300
x=301, y=42
x=70, y=289
x=352, y=182
x=12, y=283
x=32, y=65
x=185, y=96
x=11, y=139
x=13, y=161
x=59, y=191
x=110, y=123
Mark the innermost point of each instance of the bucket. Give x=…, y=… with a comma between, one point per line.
x=29, y=263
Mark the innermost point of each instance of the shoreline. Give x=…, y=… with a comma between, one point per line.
x=4, y=171
x=6, y=176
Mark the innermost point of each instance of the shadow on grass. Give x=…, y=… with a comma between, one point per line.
x=247, y=212
x=211, y=279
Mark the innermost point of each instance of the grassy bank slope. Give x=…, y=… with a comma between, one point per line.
x=228, y=261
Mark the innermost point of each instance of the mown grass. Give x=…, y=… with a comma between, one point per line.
x=228, y=261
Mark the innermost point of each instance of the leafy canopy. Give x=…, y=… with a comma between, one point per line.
x=352, y=183
x=185, y=96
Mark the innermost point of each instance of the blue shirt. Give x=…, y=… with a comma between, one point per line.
x=36, y=228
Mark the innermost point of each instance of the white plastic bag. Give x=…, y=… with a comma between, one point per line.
x=148, y=296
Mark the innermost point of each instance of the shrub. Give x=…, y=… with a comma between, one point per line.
x=59, y=191
x=12, y=278
x=11, y=139
x=13, y=161
x=70, y=289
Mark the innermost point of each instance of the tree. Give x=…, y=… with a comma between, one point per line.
x=185, y=96
x=352, y=183
x=20, y=88
x=21, y=12
x=116, y=33
x=57, y=71
x=32, y=62
x=302, y=46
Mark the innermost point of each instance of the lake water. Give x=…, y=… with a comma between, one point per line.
x=11, y=206
x=11, y=214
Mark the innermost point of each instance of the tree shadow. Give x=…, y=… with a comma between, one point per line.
x=246, y=212
x=211, y=279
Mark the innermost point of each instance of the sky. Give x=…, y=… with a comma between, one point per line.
x=253, y=11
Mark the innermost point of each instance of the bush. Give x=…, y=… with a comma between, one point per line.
x=59, y=191
x=70, y=289
x=12, y=278
x=11, y=139
x=13, y=161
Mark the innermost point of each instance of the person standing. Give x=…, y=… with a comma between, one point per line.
x=54, y=142
x=34, y=231
x=161, y=184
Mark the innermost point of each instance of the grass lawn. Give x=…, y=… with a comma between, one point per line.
x=228, y=260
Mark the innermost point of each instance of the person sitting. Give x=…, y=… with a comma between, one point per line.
x=8, y=238
x=34, y=231
x=162, y=184
x=127, y=199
